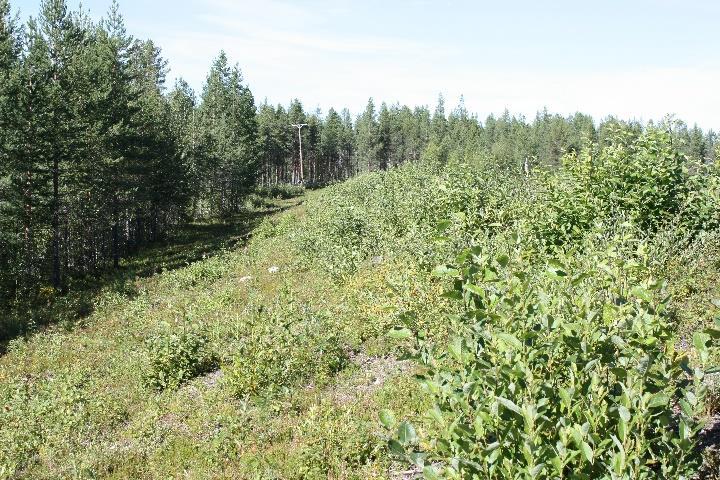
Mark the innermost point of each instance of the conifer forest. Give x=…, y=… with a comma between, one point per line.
x=205, y=284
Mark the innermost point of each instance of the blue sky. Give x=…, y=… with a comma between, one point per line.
x=637, y=59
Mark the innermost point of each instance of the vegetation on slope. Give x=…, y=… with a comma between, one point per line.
x=558, y=327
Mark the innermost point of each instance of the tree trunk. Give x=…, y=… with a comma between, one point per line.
x=56, y=280
x=116, y=235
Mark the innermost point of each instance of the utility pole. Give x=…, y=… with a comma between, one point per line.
x=299, y=126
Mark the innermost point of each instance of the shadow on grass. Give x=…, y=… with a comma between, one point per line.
x=189, y=243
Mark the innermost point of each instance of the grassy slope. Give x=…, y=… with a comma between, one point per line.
x=77, y=404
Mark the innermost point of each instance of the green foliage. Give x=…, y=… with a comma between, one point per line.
x=399, y=211
x=340, y=440
x=177, y=354
x=645, y=179
x=641, y=177
x=50, y=415
x=281, y=191
x=567, y=370
x=200, y=272
x=282, y=345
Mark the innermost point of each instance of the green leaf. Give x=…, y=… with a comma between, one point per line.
x=587, y=451
x=624, y=413
x=395, y=447
x=658, y=400
x=509, y=404
x=455, y=348
x=700, y=341
x=445, y=271
x=387, y=418
x=489, y=275
x=452, y=294
x=399, y=333
x=492, y=446
x=430, y=473
x=443, y=225
x=641, y=293
x=622, y=429
x=510, y=340
x=436, y=414
x=556, y=269
x=474, y=289
x=406, y=434
x=537, y=469
x=503, y=260
x=417, y=458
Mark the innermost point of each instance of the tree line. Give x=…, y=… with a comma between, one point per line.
x=98, y=157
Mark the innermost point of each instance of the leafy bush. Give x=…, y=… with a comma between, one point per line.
x=282, y=345
x=398, y=212
x=176, y=355
x=569, y=371
x=647, y=179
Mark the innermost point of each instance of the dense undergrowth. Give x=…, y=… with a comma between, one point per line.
x=571, y=357
x=561, y=324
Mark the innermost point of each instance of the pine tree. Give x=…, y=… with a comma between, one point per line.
x=30, y=156
x=10, y=124
x=331, y=145
x=385, y=128
x=118, y=100
x=182, y=107
x=311, y=147
x=62, y=39
x=367, y=137
x=296, y=116
x=228, y=120
x=347, y=145
x=439, y=121
x=160, y=177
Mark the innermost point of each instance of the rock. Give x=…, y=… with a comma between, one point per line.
x=377, y=260
x=246, y=278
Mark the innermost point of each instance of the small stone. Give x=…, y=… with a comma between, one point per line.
x=377, y=260
x=273, y=269
x=246, y=278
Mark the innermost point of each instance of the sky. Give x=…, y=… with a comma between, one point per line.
x=635, y=59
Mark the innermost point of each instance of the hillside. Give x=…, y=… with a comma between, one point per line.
x=217, y=369
x=445, y=318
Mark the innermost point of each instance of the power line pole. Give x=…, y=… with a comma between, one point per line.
x=299, y=126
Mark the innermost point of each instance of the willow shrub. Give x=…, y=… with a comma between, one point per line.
x=177, y=353
x=564, y=371
x=646, y=180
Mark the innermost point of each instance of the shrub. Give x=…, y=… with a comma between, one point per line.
x=283, y=345
x=398, y=211
x=569, y=371
x=176, y=355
